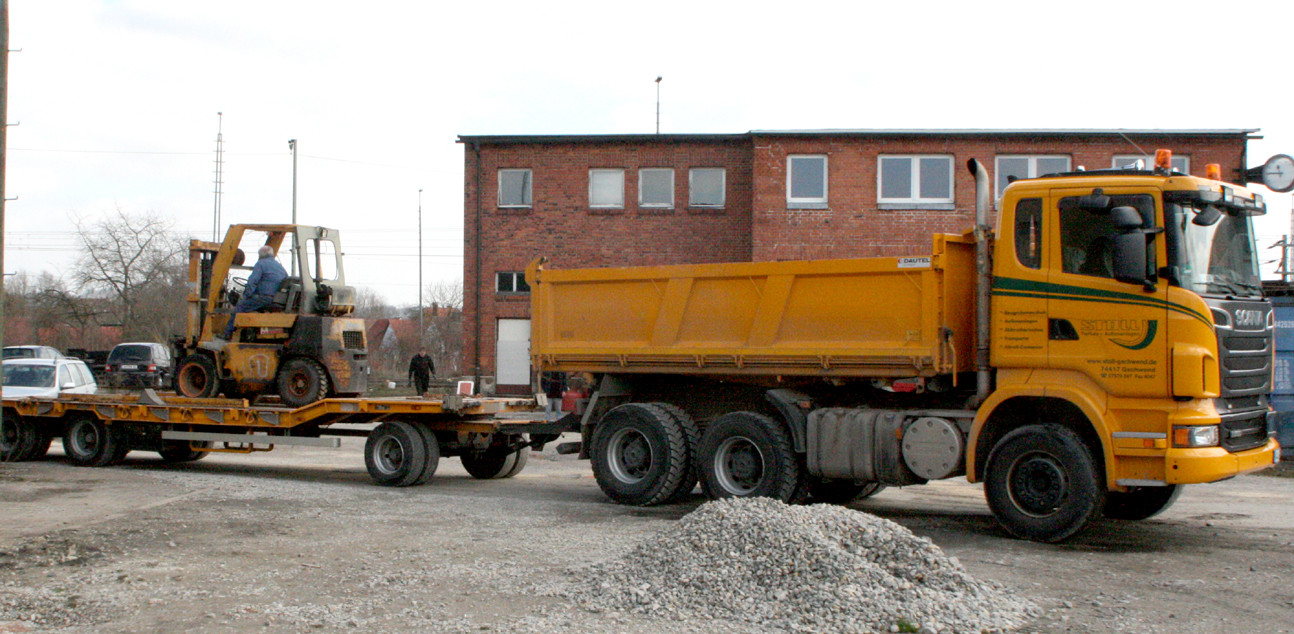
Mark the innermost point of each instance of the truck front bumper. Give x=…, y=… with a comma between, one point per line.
x=1210, y=464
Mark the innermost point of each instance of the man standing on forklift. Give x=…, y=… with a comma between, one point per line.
x=262, y=284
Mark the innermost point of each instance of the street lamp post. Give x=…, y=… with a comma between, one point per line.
x=292, y=145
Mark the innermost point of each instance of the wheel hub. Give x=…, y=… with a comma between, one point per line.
x=630, y=456
x=1038, y=484
x=739, y=466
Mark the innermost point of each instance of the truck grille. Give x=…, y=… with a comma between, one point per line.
x=353, y=339
x=1246, y=363
x=1244, y=431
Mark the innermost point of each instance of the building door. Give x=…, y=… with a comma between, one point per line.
x=512, y=357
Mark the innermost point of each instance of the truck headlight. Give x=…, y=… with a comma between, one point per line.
x=1195, y=436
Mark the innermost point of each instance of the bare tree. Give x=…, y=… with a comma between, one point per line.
x=124, y=254
x=444, y=323
x=369, y=304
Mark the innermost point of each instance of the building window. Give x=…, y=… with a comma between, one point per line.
x=607, y=188
x=806, y=179
x=915, y=179
x=706, y=186
x=1012, y=167
x=511, y=282
x=514, y=188
x=656, y=188
x=1181, y=163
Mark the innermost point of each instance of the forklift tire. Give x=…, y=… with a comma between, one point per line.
x=89, y=442
x=396, y=454
x=302, y=381
x=197, y=377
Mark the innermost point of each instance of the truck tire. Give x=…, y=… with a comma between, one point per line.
x=842, y=491
x=1042, y=483
x=744, y=454
x=396, y=454
x=692, y=437
x=182, y=451
x=41, y=447
x=495, y=464
x=89, y=442
x=1140, y=503
x=639, y=455
x=197, y=377
x=18, y=437
x=433, y=454
x=302, y=381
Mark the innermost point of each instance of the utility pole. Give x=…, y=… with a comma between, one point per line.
x=422, y=330
x=292, y=145
x=4, y=123
x=658, y=78
x=220, y=163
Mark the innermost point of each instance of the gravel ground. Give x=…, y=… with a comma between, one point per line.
x=299, y=540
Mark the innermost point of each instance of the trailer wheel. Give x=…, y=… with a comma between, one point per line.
x=1041, y=483
x=197, y=377
x=396, y=454
x=639, y=455
x=182, y=450
x=744, y=454
x=89, y=442
x=494, y=464
x=842, y=491
x=302, y=381
x=1140, y=503
x=18, y=438
x=433, y=454
x=692, y=437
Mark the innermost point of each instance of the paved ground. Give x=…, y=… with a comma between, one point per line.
x=299, y=540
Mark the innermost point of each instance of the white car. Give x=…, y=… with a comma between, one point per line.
x=47, y=377
x=27, y=352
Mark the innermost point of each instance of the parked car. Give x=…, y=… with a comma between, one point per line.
x=46, y=377
x=139, y=364
x=31, y=352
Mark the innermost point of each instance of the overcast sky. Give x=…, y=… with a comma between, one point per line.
x=116, y=100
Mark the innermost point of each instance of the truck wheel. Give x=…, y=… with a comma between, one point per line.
x=18, y=437
x=744, y=454
x=1140, y=503
x=639, y=455
x=1041, y=483
x=396, y=454
x=197, y=377
x=496, y=464
x=692, y=436
x=182, y=450
x=302, y=382
x=433, y=454
x=41, y=447
x=842, y=491
x=91, y=443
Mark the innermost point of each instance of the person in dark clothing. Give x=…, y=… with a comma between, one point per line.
x=262, y=284
x=420, y=370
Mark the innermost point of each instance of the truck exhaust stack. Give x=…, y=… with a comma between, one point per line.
x=983, y=281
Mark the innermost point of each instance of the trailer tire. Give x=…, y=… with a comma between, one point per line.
x=842, y=491
x=494, y=464
x=433, y=454
x=692, y=437
x=744, y=454
x=175, y=451
x=1042, y=483
x=44, y=437
x=302, y=381
x=1141, y=503
x=197, y=377
x=639, y=455
x=89, y=442
x=18, y=437
x=396, y=454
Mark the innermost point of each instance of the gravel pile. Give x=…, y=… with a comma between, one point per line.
x=815, y=568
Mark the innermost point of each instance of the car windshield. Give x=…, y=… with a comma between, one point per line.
x=1219, y=259
x=129, y=354
x=29, y=375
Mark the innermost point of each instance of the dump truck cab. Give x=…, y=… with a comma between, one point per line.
x=304, y=346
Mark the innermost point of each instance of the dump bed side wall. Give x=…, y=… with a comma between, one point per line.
x=859, y=317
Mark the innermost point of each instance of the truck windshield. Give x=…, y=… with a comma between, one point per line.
x=1218, y=259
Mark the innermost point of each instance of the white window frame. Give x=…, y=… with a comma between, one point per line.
x=607, y=170
x=808, y=200
x=1181, y=162
x=516, y=278
x=642, y=174
x=529, y=193
x=1032, y=170
x=915, y=190
x=723, y=187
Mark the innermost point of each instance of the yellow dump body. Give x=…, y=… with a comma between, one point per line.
x=871, y=317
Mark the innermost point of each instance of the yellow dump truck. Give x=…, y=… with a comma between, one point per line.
x=1104, y=345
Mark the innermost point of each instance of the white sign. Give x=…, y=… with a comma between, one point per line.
x=914, y=263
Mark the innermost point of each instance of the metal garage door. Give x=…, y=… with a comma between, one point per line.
x=512, y=357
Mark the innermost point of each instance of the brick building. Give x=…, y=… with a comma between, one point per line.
x=623, y=200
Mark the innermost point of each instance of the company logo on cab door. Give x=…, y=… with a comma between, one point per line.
x=1132, y=334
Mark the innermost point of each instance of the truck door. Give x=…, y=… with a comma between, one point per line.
x=1020, y=285
x=1112, y=331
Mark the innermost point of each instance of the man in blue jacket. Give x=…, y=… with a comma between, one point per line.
x=262, y=284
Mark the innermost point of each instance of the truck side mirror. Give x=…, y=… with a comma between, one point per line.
x=1125, y=219
x=1130, y=257
x=1207, y=217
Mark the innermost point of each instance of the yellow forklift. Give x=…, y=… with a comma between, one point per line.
x=302, y=348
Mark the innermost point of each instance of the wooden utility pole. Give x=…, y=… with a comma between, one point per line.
x=4, y=124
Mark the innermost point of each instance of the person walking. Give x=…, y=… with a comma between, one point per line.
x=420, y=370
x=262, y=284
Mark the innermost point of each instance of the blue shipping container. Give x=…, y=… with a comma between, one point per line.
x=1283, y=374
